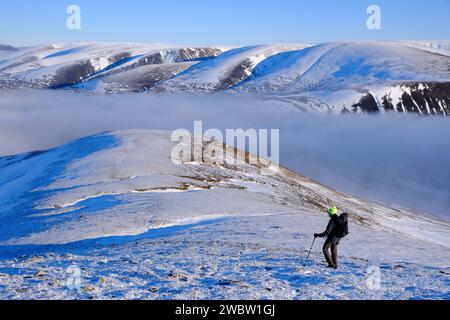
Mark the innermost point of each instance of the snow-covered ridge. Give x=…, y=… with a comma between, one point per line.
x=330, y=77
x=137, y=226
x=124, y=183
x=68, y=64
x=226, y=71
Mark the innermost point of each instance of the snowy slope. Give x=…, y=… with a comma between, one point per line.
x=226, y=71
x=337, y=76
x=440, y=47
x=348, y=65
x=331, y=77
x=65, y=64
x=115, y=202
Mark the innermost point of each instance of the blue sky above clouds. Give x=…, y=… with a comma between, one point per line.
x=231, y=22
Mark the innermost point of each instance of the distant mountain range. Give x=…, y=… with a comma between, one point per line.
x=412, y=76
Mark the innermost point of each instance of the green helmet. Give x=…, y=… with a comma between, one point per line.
x=332, y=211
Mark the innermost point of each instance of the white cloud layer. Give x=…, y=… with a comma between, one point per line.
x=397, y=159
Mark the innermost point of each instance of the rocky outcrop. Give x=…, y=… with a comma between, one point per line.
x=425, y=98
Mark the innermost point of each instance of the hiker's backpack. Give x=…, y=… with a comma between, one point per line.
x=341, y=226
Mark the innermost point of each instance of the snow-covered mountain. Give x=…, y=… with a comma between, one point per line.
x=140, y=226
x=71, y=64
x=226, y=71
x=402, y=76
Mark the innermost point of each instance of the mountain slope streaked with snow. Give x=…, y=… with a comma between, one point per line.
x=115, y=203
x=69, y=64
x=226, y=71
x=331, y=77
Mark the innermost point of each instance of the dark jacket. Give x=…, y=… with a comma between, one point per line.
x=332, y=227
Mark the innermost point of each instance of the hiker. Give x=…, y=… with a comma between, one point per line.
x=337, y=229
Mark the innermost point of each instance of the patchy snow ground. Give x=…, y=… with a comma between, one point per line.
x=228, y=258
x=138, y=226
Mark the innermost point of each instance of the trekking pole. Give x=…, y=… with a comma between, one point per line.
x=307, y=257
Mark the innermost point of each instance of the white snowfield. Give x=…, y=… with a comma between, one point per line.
x=140, y=227
x=328, y=77
x=347, y=64
x=226, y=71
x=85, y=65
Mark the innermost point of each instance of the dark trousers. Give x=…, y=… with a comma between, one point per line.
x=331, y=243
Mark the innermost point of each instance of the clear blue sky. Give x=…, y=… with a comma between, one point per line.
x=231, y=22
